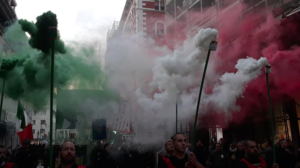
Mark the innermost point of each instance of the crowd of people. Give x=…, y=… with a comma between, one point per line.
x=244, y=154
x=20, y=157
x=102, y=156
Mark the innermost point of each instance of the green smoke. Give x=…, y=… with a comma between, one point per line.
x=27, y=69
x=39, y=33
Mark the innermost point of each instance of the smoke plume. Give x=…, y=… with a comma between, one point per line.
x=176, y=77
x=234, y=81
x=153, y=78
x=28, y=67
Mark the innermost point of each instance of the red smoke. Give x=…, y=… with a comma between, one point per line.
x=278, y=41
x=256, y=35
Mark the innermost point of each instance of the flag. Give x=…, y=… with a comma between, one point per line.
x=23, y=124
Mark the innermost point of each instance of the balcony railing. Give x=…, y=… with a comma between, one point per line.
x=7, y=11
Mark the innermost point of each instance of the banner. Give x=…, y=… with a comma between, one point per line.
x=122, y=120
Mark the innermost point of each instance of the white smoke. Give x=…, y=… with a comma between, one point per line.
x=129, y=62
x=232, y=85
x=175, y=77
x=178, y=72
x=172, y=74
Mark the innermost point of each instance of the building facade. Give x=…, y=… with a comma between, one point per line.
x=7, y=17
x=186, y=17
x=41, y=122
x=7, y=13
x=8, y=135
x=145, y=18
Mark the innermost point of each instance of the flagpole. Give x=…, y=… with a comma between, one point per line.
x=212, y=47
x=268, y=71
x=53, y=35
x=2, y=96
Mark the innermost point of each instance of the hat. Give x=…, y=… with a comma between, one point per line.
x=26, y=141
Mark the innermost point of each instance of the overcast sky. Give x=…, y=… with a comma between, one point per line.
x=78, y=20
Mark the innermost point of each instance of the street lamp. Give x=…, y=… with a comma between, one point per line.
x=212, y=47
x=268, y=71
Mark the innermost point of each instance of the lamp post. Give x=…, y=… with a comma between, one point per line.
x=212, y=47
x=52, y=38
x=268, y=71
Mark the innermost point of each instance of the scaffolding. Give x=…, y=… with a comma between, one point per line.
x=287, y=9
x=113, y=31
x=181, y=17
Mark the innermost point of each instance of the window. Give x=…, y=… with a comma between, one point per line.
x=160, y=28
x=33, y=131
x=33, y=122
x=42, y=132
x=157, y=5
x=43, y=112
x=160, y=31
x=43, y=122
x=160, y=5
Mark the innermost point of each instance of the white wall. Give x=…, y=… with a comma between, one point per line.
x=8, y=118
x=38, y=127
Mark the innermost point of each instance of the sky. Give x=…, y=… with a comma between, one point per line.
x=78, y=21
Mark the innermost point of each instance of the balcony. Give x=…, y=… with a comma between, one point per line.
x=7, y=14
